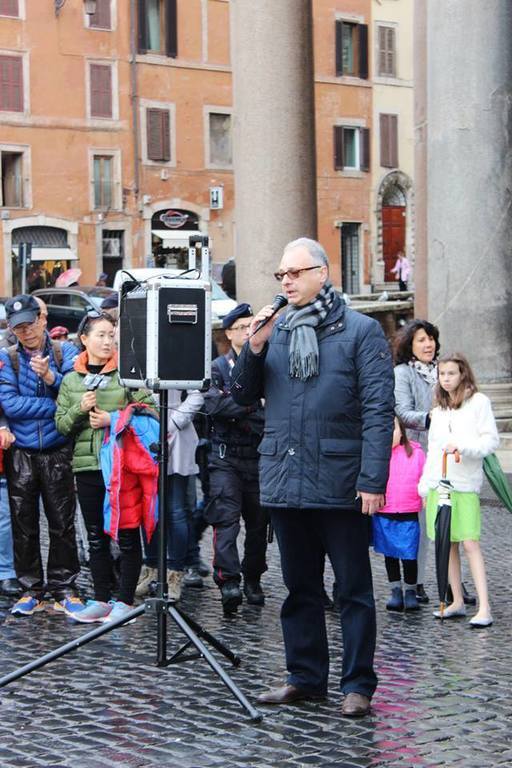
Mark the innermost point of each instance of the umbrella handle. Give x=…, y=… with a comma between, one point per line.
x=456, y=456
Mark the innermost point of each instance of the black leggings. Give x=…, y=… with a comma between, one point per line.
x=91, y=494
x=410, y=570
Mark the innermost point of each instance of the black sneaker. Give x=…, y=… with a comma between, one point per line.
x=421, y=595
x=231, y=596
x=254, y=592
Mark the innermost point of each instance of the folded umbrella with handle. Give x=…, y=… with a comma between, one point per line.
x=498, y=480
x=443, y=529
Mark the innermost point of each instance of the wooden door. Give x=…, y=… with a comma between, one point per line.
x=393, y=237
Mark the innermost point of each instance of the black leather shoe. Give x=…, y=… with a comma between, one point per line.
x=355, y=705
x=421, y=595
x=10, y=587
x=254, y=593
x=231, y=596
x=287, y=694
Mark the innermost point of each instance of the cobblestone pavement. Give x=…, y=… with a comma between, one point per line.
x=443, y=699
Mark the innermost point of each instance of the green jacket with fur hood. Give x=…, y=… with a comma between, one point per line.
x=73, y=422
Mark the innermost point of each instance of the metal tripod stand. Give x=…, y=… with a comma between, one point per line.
x=160, y=605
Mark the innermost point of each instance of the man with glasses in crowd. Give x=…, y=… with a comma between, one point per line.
x=39, y=461
x=233, y=464
x=326, y=375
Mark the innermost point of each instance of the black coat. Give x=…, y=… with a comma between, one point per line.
x=331, y=435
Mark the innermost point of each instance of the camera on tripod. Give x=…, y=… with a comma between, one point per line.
x=165, y=327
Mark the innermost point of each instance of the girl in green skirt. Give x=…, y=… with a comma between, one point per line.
x=461, y=422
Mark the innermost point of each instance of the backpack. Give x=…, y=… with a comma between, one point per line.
x=12, y=351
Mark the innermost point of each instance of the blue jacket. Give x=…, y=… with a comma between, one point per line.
x=331, y=435
x=28, y=403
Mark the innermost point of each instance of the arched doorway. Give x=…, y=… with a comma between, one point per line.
x=50, y=256
x=394, y=221
x=393, y=229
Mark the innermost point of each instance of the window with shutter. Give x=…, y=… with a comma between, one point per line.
x=351, y=42
x=389, y=141
x=9, y=8
x=158, y=27
x=339, y=159
x=102, y=18
x=101, y=90
x=364, y=149
x=387, y=52
x=103, y=181
x=158, y=134
x=11, y=164
x=11, y=83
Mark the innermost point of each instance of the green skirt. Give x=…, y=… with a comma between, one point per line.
x=465, y=515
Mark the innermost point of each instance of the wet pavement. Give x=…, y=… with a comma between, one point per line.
x=443, y=699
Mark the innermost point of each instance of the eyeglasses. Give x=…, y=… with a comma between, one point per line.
x=240, y=327
x=293, y=274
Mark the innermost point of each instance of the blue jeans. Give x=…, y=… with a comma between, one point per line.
x=6, y=553
x=177, y=527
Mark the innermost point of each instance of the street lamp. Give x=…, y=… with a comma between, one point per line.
x=89, y=6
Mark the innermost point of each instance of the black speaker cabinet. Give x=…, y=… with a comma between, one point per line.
x=165, y=334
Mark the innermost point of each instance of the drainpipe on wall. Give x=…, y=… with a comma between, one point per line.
x=134, y=100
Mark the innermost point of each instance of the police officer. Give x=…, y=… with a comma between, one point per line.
x=234, y=488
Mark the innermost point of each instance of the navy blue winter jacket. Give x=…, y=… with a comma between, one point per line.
x=331, y=435
x=28, y=403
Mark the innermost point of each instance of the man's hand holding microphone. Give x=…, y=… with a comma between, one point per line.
x=263, y=323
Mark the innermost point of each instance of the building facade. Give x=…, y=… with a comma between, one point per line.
x=116, y=134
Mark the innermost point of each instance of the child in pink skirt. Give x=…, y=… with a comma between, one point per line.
x=396, y=529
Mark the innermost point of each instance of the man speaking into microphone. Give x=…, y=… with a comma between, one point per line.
x=325, y=372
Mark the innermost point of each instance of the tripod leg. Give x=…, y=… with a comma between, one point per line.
x=71, y=646
x=214, y=641
x=205, y=653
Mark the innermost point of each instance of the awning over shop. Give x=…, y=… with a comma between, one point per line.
x=173, y=238
x=50, y=254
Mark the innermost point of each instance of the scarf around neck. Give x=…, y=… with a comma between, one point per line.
x=303, y=321
x=427, y=371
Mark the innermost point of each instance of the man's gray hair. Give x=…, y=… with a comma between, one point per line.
x=314, y=248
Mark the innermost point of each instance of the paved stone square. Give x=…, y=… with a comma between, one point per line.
x=443, y=700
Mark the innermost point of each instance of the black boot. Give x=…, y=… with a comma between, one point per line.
x=254, y=592
x=11, y=588
x=231, y=596
x=421, y=595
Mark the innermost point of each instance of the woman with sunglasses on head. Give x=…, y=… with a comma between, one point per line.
x=83, y=412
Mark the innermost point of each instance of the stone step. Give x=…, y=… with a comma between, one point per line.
x=505, y=441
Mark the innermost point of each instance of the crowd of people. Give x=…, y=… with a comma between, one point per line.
x=307, y=427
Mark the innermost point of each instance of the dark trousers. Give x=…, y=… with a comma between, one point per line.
x=234, y=493
x=304, y=535
x=402, y=285
x=46, y=474
x=410, y=570
x=91, y=494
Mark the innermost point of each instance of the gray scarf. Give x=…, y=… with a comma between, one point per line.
x=303, y=321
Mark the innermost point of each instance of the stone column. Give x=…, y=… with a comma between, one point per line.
x=469, y=96
x=274, y=149
x=420, y=158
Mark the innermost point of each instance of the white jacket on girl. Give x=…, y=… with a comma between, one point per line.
x=472, y=429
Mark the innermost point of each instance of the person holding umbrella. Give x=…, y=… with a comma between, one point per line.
x=463, y=429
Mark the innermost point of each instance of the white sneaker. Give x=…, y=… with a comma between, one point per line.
x=147, y=575
x=175, y=583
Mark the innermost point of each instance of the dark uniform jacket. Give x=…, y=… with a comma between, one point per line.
x=235, y=429
x=330, y=435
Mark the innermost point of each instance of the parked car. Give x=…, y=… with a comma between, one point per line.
x=67, y=306
x=221, y=303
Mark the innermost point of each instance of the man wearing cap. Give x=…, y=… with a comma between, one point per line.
x=39, y=461
x=234, y=488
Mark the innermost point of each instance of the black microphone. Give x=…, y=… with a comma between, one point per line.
x=279, y=302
